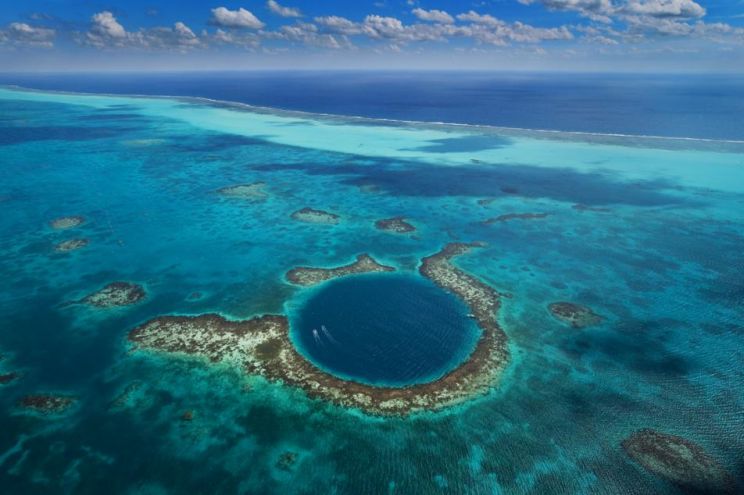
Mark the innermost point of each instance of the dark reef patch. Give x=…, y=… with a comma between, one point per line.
x=214, y=142
x=20, y=135
x=286, y=460
x=679, y=461
x=561, y=184
x=106, y=116
x=515, y=216
x=10, y=377
x=573, y=314
x=71, y=245
x=464, y=144
x=397, y=225
x=580, y=207
x=46, y=403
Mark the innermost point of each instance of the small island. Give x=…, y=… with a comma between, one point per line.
x=575, y=315
x=261, y=345
x=71, y=245
x=311, y=276
x=679, y=461
x=310, y=215
x=115, y=294
x=396, y=225
x=64, y=223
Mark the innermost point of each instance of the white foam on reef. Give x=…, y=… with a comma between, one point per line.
x=686, y=162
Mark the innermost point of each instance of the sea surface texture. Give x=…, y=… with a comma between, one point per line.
x=647, y=233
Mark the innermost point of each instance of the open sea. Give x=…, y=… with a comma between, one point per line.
x=623, y=194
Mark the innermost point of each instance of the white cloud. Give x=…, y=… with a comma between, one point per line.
x=282, y=11
x=240, y=18
x=106, y=32
x=21, y=34
x=597, y=10
x=664, y=8
x=309, y=35
x=605, y=10
x=338, y=25
x=477, y=18
x=439, y=16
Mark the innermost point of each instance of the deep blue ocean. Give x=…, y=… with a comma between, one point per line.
x=646, y=233
x=700, y=106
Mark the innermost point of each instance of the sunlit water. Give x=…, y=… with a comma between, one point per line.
x=655, y=248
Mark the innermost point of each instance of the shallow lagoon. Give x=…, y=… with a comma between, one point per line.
x=648, y=233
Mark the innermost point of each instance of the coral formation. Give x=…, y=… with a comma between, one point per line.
x=316, y=216
x=63, y=223
x=310, y=276
x=46, y=403
x=71, y=245
x=255, y=191
x=397, y=225
x=262, y=346
x=515, y=216
x=573, y=314
x=678, y=460
x=115, y=294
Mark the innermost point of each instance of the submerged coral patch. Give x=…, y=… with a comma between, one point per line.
x=310, y=276
x=47, y=403
x=63, y=223
x=6, y=378
x=573, y=314
x=397, y=225
x=310, y=215
x=71, y=245
x=254, y=191
x=116, y=294
x=679, y=461
x=515, y=216
x=262, y=346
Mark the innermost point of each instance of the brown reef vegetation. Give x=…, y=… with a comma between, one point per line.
x=515, y=216
x=397, y=225
x=364, y=263
x=286, y=460
x=254, y=191
x=115, y=294
x=262, y=346
x=71, y=245
x=6, y=378
x=316, y=216
x=63, y=223
x=573, y=314
x=679, y=461
x=47, y=404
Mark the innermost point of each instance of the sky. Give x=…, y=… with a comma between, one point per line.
x=552, y=35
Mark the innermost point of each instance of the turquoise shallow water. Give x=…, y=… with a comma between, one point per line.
x=655, y=248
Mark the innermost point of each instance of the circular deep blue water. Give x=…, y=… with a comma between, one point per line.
x=384, y=329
